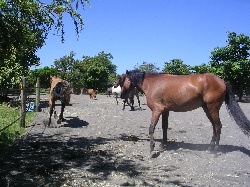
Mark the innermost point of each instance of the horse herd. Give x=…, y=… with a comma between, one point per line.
x=166, y=92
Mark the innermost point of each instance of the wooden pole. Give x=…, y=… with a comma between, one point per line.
x=23, y=101
x=37, y=93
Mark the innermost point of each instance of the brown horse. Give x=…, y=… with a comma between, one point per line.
x=181, y=93
x=129, y=99
x=59, y=90
x=92, y=94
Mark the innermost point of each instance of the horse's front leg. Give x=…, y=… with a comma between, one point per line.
x=124, y=102
x=165, y=116
x=116, y=96
x=61, y=119
x=50, y=114
x=139, y=101
x=154, y=120
x=51, y=106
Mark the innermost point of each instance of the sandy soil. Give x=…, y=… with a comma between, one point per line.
x=102, y=145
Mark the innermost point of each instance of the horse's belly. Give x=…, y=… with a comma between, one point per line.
x=184, y=107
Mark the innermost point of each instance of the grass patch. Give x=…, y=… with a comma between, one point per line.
x=9, y=131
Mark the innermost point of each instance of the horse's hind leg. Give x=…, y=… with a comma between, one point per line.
x=212, y=113
x=138, y=101
x=164, y=128
x=131, y=100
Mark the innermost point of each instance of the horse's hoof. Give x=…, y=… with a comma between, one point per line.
x=210, y=148
x=154, y=154
x=216, y=148
x=163, y=146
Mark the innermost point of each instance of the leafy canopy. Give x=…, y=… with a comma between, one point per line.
x=232, y=62
x=24, y=27
x=177, y=67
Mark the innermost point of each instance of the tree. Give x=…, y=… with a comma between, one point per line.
x=78, y=74
x=176, y=67
x=44, y=74
x=203, y=68
x=24, y=27
x=147, y=67
x=232, y=62
x=64, y=66
x=98, y=71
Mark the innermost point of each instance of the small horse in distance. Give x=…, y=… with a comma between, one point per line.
x=182, y=93
x=116, y=90
x=59, y=90
x=92, y=94
x=129, y=99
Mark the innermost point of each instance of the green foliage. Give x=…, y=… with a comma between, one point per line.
x=203, y=68
x=232, y=62
x=176, y=67
x=44, y=74
x=64, y=66
x=98, y=71
x=24, y=27
x=7, y=116
x=147, y=67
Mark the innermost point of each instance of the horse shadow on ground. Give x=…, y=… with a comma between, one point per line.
x=42, y=160
x=175, y=146
x=75, y=122
x=45, y=104
x=223, y=149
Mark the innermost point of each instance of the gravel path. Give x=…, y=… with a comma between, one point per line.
x=102, y=145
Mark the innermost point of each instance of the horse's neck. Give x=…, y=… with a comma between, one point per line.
x=144, y=86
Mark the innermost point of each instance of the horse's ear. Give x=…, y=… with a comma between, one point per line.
x=127, y=72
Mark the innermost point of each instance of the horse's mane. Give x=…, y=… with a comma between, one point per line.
x=136, y=76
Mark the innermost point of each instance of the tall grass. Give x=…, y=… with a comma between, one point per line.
x=9, y=131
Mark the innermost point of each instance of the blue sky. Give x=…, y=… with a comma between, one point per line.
x=154, y=31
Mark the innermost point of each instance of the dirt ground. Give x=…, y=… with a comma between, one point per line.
x=102, y=145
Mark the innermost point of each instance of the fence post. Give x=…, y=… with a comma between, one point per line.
x=23, y=101
x=37, y=94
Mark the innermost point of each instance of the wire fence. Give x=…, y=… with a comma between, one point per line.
x=25, y=103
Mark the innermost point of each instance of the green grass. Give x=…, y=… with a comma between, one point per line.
x=7, y=117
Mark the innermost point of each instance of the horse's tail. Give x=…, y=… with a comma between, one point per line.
x=235, y=111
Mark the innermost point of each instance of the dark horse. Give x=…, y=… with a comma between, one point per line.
x=182, y=93
x=59, y=90
x=129, y=98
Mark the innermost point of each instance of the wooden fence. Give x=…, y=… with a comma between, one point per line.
x=24, y=97
x=24, y=100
